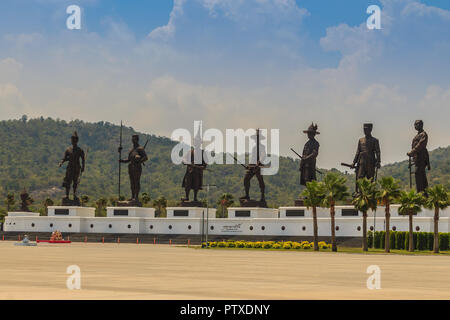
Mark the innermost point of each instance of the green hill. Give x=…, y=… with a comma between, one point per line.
x=31, y=149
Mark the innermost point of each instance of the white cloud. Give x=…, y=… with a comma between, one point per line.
x=169, y=29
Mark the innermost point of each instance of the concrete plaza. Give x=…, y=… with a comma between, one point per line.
x=132, y=271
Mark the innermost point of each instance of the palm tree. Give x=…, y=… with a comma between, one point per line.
x=47, y=203
x=145, y=198
x=365, y=200
x=160, y=203
x=9, y=201
x=226, y=200
x=84, y=199
x=335, y=190
x=438, y=199
x=410, y=204
x=101, y=203
x=389, y=192
x=313, y=195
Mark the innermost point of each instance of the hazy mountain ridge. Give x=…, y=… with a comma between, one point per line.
x=31, y=149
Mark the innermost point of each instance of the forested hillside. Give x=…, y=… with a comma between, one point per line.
x=31, y=149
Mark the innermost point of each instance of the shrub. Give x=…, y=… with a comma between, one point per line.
x=231, y=244
x=240, y=244
x=221, y=244
x=287, y=245
x=369, y=239
x=296, y=246
x=392, y=238
x=213, y=244
x=258, y=245
x=276, y=246
x=307, y=246
x=444, y=241
x=267, y=245
x=249, y=244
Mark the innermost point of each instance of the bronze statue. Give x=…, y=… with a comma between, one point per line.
x=367, y=159
x=255, y=170
x=310, y=153
x=420, y=156
x=74, y=169
x=136, y=158
x=193, y=178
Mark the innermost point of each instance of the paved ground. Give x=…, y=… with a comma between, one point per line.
x=130, y=271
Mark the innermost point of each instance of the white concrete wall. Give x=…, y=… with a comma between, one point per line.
x=273, y=226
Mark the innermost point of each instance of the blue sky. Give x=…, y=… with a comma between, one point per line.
x=160, y=65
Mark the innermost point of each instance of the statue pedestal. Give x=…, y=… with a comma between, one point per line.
x=191, y=204
x=61, y=211
x=190, y=212
x=136, y=212
x=249, y=203
x=129, y=203
x=252, y=212
x=66, y=202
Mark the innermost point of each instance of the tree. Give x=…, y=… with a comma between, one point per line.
x=313, y=196
x=388, y=193
x=113, y=201
x=438, y=199
x=9, y=201
x=47, y=203
x=225, y=201
x=84, y=200
x=160, y=204
x=101, y=203
x=410, y=204
x=145, y=198
x=335, y=190
x=365, y=200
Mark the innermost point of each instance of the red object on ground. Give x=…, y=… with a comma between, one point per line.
x=54, y=241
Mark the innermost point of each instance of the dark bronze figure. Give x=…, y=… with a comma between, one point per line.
x=420, y=156
x=368, y=156
x=309, y=156
x=74, y=170
x=255, y=170
x=193, y=178
x=136, y=158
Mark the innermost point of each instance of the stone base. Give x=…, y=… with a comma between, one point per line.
x=190, y=212
x=71, y=211
x=191, y=204
x=137, y=212
x=66, y=202
x=252, y=213
x=249, y=203
x=299, y=203
x=129, y=203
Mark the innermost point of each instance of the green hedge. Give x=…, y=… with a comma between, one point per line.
x=400, y=240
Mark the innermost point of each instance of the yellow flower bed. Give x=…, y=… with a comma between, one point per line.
x=286, y=245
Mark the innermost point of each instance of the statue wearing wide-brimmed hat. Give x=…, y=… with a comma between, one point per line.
x=74, y=155
x=309, y=156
